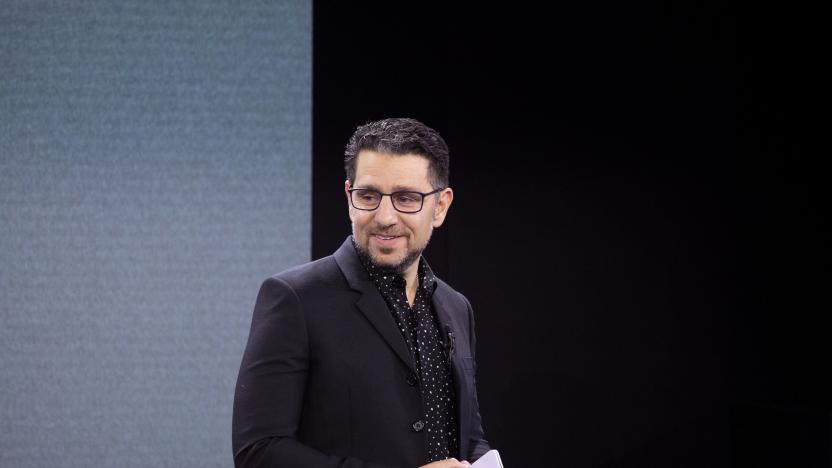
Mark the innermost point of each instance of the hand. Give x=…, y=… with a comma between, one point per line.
x=448, y=463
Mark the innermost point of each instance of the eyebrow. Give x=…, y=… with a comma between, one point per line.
x=396, y=188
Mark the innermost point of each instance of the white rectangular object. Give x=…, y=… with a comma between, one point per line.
x=491, y=459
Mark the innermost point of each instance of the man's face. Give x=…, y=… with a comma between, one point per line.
x=392, y=239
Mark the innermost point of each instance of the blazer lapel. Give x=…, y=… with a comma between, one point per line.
x=370, y=303
x=442, y=307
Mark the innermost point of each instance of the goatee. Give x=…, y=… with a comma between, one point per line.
x=398, y=268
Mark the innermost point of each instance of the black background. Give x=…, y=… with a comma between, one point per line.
x=636, y=220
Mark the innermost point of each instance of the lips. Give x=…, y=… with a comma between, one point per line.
x=386, y=240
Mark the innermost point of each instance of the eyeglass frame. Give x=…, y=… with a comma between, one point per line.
x=381, y=198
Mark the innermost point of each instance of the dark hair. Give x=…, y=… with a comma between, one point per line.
x=400, y=136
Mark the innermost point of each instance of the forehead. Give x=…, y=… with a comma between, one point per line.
x=391, y=171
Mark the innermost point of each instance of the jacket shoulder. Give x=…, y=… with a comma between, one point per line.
x=319, y=273
x=457, y=298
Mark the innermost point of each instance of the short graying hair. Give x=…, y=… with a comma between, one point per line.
x=400, y=136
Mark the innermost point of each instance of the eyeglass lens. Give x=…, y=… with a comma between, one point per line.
x=402, y=201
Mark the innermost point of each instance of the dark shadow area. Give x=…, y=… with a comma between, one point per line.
x=636, y=219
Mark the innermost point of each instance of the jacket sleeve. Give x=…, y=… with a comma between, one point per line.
x=268, y=397
x=478, y=445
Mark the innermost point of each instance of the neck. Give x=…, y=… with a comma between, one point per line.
x=411, y=278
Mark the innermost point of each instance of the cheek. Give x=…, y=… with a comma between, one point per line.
x=359, y=218
x=421, y=226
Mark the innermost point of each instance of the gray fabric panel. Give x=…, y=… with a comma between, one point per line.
x=155, y=166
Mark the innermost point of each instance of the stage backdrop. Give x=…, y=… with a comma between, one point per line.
x=154, y=169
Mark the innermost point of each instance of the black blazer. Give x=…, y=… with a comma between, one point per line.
x=327, y=381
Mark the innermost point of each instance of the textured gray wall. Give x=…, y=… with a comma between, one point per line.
x=155, y=166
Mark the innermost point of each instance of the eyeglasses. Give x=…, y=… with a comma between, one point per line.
x=403, y=202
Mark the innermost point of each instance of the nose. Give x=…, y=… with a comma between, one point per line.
x=386, y=215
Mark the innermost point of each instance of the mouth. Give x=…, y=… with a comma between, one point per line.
x=385, y=240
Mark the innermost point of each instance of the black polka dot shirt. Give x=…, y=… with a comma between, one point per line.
x=423, y=337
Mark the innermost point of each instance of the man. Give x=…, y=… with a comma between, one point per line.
x=364, y=359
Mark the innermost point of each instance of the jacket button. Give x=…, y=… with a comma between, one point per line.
x=411, y=379
x=418, y=426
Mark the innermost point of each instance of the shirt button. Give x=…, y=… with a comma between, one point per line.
x=411, y=379
x=418, y=426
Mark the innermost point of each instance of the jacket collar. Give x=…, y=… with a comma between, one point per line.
x=442, y=301
x=370, y=303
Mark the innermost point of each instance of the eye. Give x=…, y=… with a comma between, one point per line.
x=407, y=198
x=367, y=195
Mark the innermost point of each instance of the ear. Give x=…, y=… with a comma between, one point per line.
x=440, y=209
x=347, y=194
